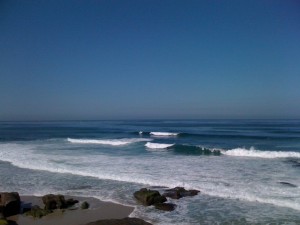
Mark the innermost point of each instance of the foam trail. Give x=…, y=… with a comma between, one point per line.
x=113, y=142
x=241, y=152
x=163, y=134
x=157, y=145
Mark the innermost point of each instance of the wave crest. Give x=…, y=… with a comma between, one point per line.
x=241, y=152
x=113, y=142
x=157, y=145
x=163, y=134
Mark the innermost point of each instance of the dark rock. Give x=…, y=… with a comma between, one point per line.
x=10, y=203
x=37, y=212
x=165, y=206
x=71, y=202
x=125, y=221
x=85, y=205
x=149, y=197
x=179, y=192
x=288, y=184
x=54, y=202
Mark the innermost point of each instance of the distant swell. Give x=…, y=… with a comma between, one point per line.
x=241, y=152
x=113, y=142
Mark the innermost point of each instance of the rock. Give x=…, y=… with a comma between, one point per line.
x=54, y=202
x=149, y=197
x=85, y=205
x=288, y=184
x=179, y=192
x=165, y=206
x=70, y=202
x=125, y=221
x=10, y=203
x=37, y=212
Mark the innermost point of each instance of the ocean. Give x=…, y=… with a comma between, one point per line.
x=248, y=171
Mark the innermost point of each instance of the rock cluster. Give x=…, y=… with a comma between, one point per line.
x=152, y=197
x=51, y=203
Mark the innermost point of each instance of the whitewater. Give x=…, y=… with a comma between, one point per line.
x=247, y=171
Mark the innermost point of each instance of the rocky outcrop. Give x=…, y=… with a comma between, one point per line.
x=179, y=192
x=149, y=197
x=165, y=206
x=125, y=221
x=9, y=203
x=57, y=202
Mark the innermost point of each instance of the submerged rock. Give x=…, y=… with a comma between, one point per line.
x=288, y=184
x=125, y=221
x=149, y=197
x=9, y=203
x=165, y=206
x=179, y=192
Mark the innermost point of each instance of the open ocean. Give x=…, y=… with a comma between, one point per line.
x=248, y=171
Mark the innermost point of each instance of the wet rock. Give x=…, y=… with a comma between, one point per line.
x=165, y=206
x=9, y=203
x=179, y=192
x=85, y=205
x=70, y=202
x=287, y=184
x=37, y=212
x=125, y=221
x=54, y=202
x=149, y=197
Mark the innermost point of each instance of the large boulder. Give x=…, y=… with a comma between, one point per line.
x=125, y=221
x=179, y=192
x=9, y=203
x=149, y=197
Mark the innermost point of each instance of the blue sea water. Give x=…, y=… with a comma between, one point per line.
x=247, y=170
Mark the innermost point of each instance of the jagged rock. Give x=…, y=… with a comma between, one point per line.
x=54, y=202
x=37, y=212
x=179, y=192
x=165, y=206
x=85, y=205
x=10, y=203
x=125, y=221
x=149, y=197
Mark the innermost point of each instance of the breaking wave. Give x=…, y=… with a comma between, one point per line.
x=242, y=152
x=113, y=142
x=163, y=134
x=158, y=145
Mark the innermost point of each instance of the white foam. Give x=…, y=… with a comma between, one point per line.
x=242, y=152
x=113, y=142
x=157, y=145
x=163, y=134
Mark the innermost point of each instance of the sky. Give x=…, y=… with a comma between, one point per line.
x=149, y=59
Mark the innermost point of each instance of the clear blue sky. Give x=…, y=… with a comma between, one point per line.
x=148, y=59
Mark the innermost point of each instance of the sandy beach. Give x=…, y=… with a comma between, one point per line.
x=98, y=210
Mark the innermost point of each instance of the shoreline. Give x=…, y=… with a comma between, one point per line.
x=98, y=210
